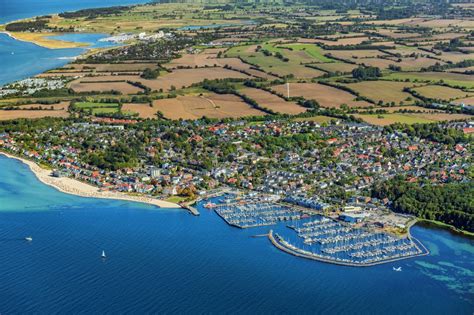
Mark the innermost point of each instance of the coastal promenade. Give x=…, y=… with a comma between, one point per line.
x=78, y=188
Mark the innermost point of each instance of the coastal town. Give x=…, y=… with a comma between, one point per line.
x=328, y=161
x=330, y=167
x=337, y=115
x=237, y=156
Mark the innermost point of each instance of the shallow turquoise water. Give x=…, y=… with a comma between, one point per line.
x=92, y=40
x=163, y=260
x=20, y=60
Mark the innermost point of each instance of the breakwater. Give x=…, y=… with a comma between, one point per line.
x=311, y=235
x=279, y=243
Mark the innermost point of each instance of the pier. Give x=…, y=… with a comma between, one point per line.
x=190, y=208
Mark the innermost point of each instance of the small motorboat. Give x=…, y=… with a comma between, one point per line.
x=28, y=239
x=397, y=269
x=103, y=256
x=209, y=205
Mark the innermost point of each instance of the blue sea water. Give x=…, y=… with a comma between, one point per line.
x=162, y=260
x=91, y=39
x=11, y=10
x=20, y=59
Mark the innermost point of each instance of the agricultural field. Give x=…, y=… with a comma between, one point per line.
x=354, y=55
x=144, y=111
x=208, y=58
x=202, y=58
x=176, y=79
x=383, y=91
x=452, y=79
x=302, y=52
x=465, y=101
x=194, y=107
x=417, y=109
x=94, y=108
x=341, y=67
x=113, y=67
x=272, y=102
x=375, y=62
x=123, y=87
x=462, y=70
x=237, y=64
x=326, y=96
x=410, y=118
x=345, y=41
x=426, y=22
x=264, y=43
x=397, y=34
x=444, y=93
x=61, y=106
x=273, y=65
x=31, y=114
x=405, y=63
x=67, y=74
x=149, y=18
x=454, y=56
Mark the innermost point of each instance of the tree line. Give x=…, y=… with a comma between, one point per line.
x=451, y=203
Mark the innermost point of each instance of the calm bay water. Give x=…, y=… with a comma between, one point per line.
x=162, y=260
x=11, y=10
x=19, y=60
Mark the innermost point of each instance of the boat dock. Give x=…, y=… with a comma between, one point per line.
x=190, y=208
x=252, y=215
x=284, y=246
x=311, y=235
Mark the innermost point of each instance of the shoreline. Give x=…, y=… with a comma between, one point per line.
x=77, y=188
x=445, y=226
x=43, y=40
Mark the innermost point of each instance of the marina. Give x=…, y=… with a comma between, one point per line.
x=330, y=241
x=306, y=234
x=142, y=274
x=253, y=215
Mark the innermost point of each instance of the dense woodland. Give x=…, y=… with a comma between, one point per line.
x=452, y=203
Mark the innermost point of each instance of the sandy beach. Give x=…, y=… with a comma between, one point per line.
x=78, y=188
x=43, y=40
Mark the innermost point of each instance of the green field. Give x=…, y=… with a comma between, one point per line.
x=315, y=52
x=272, y=64
x=95, y=105
x=98, y=108
x=176, y=199
x=452, y=79
x=104, y=110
